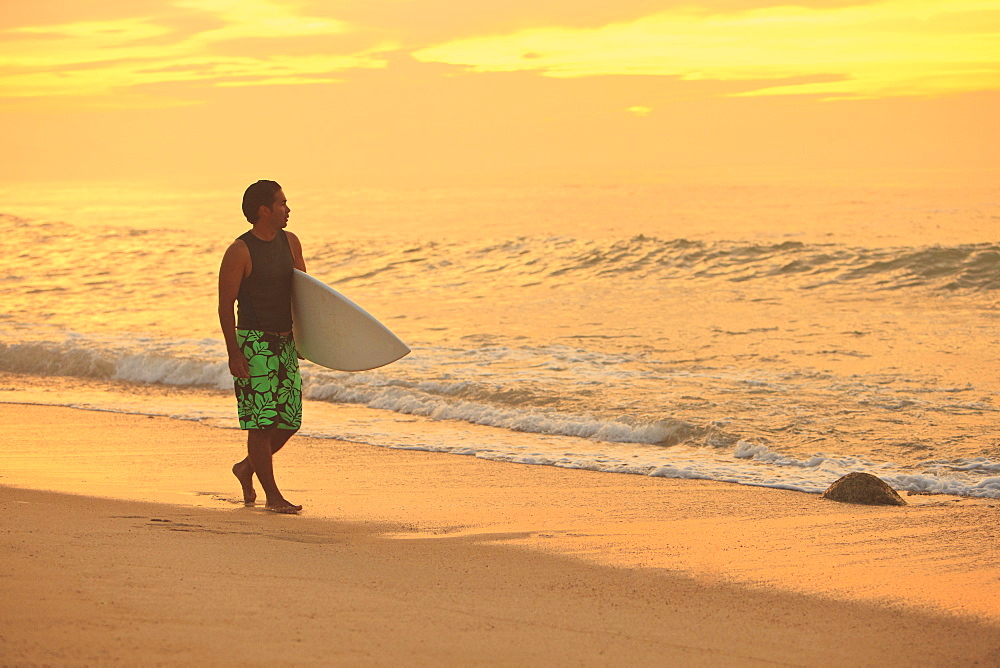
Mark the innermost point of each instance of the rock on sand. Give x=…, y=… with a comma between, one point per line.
x=863, y=488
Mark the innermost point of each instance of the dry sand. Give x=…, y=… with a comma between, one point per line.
x=421, y=558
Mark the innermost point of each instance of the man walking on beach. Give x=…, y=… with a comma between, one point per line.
x=256, y=274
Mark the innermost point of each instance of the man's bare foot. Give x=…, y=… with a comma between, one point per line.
x=245, y=475
x=283, y=507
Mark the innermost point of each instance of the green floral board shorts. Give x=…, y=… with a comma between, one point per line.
x=271, y=398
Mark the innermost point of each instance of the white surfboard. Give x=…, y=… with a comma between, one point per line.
x=334, y=332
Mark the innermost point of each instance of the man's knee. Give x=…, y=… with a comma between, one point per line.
x=281, y=436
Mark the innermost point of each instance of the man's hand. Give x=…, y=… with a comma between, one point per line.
x=238, y=365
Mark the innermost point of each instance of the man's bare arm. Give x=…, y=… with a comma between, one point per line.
x=235, y=266
x=296, y=246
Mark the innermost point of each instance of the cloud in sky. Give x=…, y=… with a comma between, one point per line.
x=883, y=49
x=877, y=49
x=107, y=58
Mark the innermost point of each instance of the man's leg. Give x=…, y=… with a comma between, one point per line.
x=244, y=470
x=261, y=444
x=270, y=399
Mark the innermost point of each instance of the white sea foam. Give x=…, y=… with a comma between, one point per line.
x=746, y=463
x=517, y=432
x=417, y=401
x=172, y=371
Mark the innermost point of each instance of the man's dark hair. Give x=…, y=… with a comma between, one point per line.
x=258, y=194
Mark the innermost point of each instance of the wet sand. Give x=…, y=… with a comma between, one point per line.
x=420, y=558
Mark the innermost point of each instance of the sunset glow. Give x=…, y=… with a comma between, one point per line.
x=416, y=91
x=655, y=330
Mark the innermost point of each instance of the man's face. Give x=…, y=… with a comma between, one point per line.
x=278, y=212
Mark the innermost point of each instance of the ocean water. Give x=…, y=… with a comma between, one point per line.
x=774, y=334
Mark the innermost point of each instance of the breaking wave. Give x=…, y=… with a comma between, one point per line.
x=963, y=267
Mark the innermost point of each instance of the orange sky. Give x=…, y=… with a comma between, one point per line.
x=397, y=92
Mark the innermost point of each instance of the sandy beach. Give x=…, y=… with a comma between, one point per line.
x=124, y=543
x=665, y=272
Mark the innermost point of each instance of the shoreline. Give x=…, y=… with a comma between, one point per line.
x=456, y=553
x=775, y=464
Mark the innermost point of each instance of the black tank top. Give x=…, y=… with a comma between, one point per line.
x=264, y=301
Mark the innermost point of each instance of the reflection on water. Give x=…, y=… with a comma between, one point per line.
x=662, y=331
